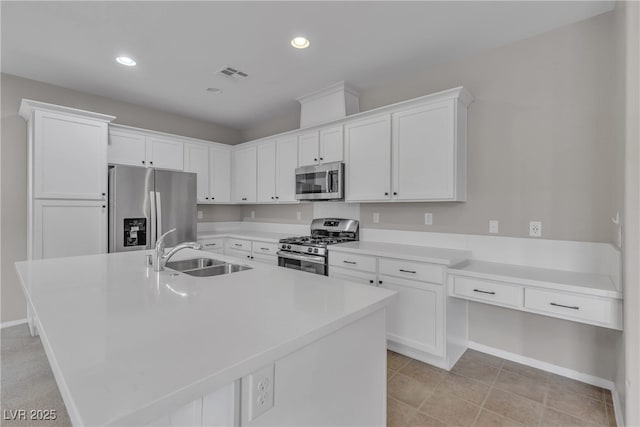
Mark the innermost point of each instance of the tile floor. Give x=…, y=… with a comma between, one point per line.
x=483, y=390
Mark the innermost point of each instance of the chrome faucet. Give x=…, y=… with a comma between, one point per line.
x=160, y=259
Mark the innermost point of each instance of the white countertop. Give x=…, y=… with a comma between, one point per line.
x=560, y=280
x=408, y=252
x=127, y=344
x=264, y=236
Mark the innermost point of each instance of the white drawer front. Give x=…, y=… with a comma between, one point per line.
x=265, y=259
x=265, y=248
x=239, y=245
x=485, y=290
x=352, y=261
x=238, y=253
x=412, y=270
x=352, y=275
x=212, y=244
x=579, y=307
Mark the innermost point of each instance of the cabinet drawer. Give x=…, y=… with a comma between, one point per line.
x=265, y=248
x=353, y=276
x=580, y=307
x=239, y=245
x=485, y=290
x=412, y=270
x=265, y=259
x=352, y=261
x=212, y=244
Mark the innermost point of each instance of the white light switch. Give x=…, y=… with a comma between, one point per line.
x=200, y=215
x=493, y=226
x=428, y=218
x=376, y=217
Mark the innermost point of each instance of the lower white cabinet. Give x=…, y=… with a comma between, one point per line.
x=64, y=228
x=258, y=251
x=215, y=246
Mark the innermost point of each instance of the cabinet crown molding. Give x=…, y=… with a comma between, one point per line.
x=28, y=106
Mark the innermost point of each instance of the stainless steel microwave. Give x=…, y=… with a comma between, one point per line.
x=320, y=182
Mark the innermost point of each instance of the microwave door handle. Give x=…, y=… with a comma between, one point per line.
x=327, y=177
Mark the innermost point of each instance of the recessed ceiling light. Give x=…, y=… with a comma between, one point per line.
x=300, y=42
x=214, y=90
x=125, y=60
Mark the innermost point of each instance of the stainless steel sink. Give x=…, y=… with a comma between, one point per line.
x=205, y=267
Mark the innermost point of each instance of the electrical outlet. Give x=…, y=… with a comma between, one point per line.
x=493, y=226
x=376, y=217
x=200, y=215
x=428, y=218
x=535, y=228
x=253, y=214
x=298, y=215
x=261, y=391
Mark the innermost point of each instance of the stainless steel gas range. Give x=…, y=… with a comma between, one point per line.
x=309, y=253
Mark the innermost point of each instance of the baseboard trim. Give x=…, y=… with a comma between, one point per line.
x=12, y=323
x=555, y=369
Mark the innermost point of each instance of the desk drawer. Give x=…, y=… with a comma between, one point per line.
x=489, y=291
x=581, y=307
x=265, y=248
x=239, y=245
x=352, y=261
x=412, y=270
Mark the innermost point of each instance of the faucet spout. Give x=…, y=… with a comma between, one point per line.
x=160, y=259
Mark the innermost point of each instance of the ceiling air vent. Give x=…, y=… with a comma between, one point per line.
x=232, y=73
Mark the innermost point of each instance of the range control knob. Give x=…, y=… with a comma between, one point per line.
x=315, y=250
x=288, y=246
x=310, y=250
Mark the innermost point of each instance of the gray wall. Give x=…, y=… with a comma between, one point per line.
x=540, y=139
x=13, y=214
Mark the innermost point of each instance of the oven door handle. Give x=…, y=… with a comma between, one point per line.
x=309, y=258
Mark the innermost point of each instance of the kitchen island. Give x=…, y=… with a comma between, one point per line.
x=130, y=346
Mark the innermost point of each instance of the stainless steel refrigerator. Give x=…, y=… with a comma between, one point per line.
x=145, y=202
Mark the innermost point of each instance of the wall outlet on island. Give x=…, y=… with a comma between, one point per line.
x=200, y=215
x=261, y=391
x=535, y=228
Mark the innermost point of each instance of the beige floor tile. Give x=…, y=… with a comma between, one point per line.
x=578, y=405
x=450, y=409
x=517, y=408
x=522, y=385
x=473, y=367
x=607, y=397
x=427, y=374
x=424, y=420
x=398, y=413
x=490, y=419
x=408, y=390
x=567, y=385
x=526, y=371
x=396, y=361
x=485, y=358
x=553, y=418
x=463, y=387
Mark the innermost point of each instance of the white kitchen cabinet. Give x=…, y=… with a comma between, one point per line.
x=324, y=146
x=69, y=157
x=137, y=147
x=266, y=173
x=361, y=277
x=126, y=148
x=220, y=175
x=244, y=174
x=196, y=160
x=425, y=156
x=416, y=317
x=286, y=164
x=368, y=159
x=164, y=153
x=63, y=228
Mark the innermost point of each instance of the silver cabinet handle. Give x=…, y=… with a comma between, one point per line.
x=349, y=262
x=264, y=249
x=210, y=244
x=408, y=271
x=237, y=244
x=572, y=307
x=484, y=292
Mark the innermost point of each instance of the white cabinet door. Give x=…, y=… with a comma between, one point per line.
x=244, y=175
x=222, y=407
x=164, y=153
x=220, y=174
x=368, y=159
x=286, y=164
x=416, y=317
x=196, y=160
x=308, y=149
x=126, y=148
x=69, y=228
x=70, y=157
x=423, y=153
x=331, y=145
x=266, y=184
x=353, y=276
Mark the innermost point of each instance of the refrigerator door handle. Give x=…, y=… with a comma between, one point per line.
x=159, y=213
x=152, y=220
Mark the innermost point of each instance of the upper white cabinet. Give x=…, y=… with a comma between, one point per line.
x=277, y=162
x=368, y=159
x=244, y=174
x=212, y=164
x=69, y=156
x=323, y=146
x=135, y=148
x=266, y=174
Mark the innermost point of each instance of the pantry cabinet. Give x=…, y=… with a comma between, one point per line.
x=244, y=174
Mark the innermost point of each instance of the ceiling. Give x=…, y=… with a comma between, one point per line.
x=179, y=46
